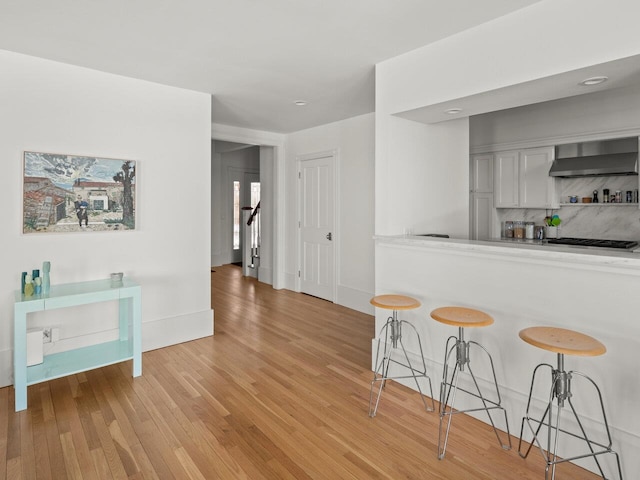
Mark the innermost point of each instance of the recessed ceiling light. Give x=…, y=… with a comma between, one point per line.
x=594, y=81
x=300, y=103
x=453, y=111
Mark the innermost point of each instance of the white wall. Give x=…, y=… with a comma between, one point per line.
x=616, y=110
x=217, y=198
x=53, y=107
x=267, y=219
x=544, y=39
x=354, y=140
x=422, y=177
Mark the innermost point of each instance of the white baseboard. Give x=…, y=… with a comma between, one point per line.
x=346, y=296
x=173, y=330
x=217, y=260
x=290, y=281
x=155, y=334
x=355, y=299
x=265, y=275
x=6, y=368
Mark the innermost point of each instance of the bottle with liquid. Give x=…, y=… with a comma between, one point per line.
x=595, y=196
x=46, y=280
x=605, y=195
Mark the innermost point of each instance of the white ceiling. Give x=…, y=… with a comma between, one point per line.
x=256, y=57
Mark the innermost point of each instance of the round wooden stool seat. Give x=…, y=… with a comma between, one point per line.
x=461, y=317
x=561, y=340
x=390, y=340
x=395, y=302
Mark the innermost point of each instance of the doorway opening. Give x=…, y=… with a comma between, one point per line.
x=242, y=207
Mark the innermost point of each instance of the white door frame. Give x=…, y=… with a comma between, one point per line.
x=334, y=154
x=268, y=139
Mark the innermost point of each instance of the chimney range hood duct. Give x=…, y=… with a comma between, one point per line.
x=600, y=158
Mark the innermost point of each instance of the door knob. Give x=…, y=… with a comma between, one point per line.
x=329, y=236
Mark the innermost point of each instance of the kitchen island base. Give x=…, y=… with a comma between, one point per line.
x=519, y=288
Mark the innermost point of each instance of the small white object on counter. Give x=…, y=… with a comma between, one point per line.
x=34, y=347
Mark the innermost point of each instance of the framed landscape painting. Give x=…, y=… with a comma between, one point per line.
x=71, y=193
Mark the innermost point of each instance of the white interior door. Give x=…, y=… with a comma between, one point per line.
x=317, y=228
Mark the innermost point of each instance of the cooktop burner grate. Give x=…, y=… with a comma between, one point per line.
x=591, y=242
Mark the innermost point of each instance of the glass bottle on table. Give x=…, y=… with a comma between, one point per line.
x=46, y=281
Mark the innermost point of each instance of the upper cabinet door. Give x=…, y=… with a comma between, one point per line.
x=482, y=215
x=482, y=171
x=505, y=187
x=536, y=186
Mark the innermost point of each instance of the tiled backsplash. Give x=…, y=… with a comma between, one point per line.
x=615, y=222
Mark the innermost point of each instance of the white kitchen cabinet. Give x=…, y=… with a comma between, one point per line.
x=521, y=179
x=482, y=173
x=537, y=188
x=482, y=216
x=506, y=185
x=482, y=209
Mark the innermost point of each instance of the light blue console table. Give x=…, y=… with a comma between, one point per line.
x=127, y=347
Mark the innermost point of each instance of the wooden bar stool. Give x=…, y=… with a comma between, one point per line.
x=462, y=318
x=392, y=331
x=563, y=342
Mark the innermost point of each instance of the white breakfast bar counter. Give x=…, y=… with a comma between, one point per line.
x=594, y=291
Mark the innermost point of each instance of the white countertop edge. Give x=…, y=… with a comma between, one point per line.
x=576, y=257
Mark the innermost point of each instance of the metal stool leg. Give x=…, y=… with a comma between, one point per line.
x=392, y=331
x=381, y=369
x=561, y=392
x=527, y=417
x=415, y=373
x=449, y=388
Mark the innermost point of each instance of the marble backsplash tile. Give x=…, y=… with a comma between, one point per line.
x=613, y=221
x=620, y=222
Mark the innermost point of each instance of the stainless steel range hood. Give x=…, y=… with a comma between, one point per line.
x=604, y=157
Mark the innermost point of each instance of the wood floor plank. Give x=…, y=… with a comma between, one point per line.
x=52, y=434
x=281, y=391
x=101, y=465
x=71, y=461
x=107, y=448
x=39, y=438
x=14, y=469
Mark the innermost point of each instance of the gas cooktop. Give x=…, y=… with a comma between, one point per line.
x=591, y=242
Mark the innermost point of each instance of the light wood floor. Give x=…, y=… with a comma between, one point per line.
x=280, y=392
